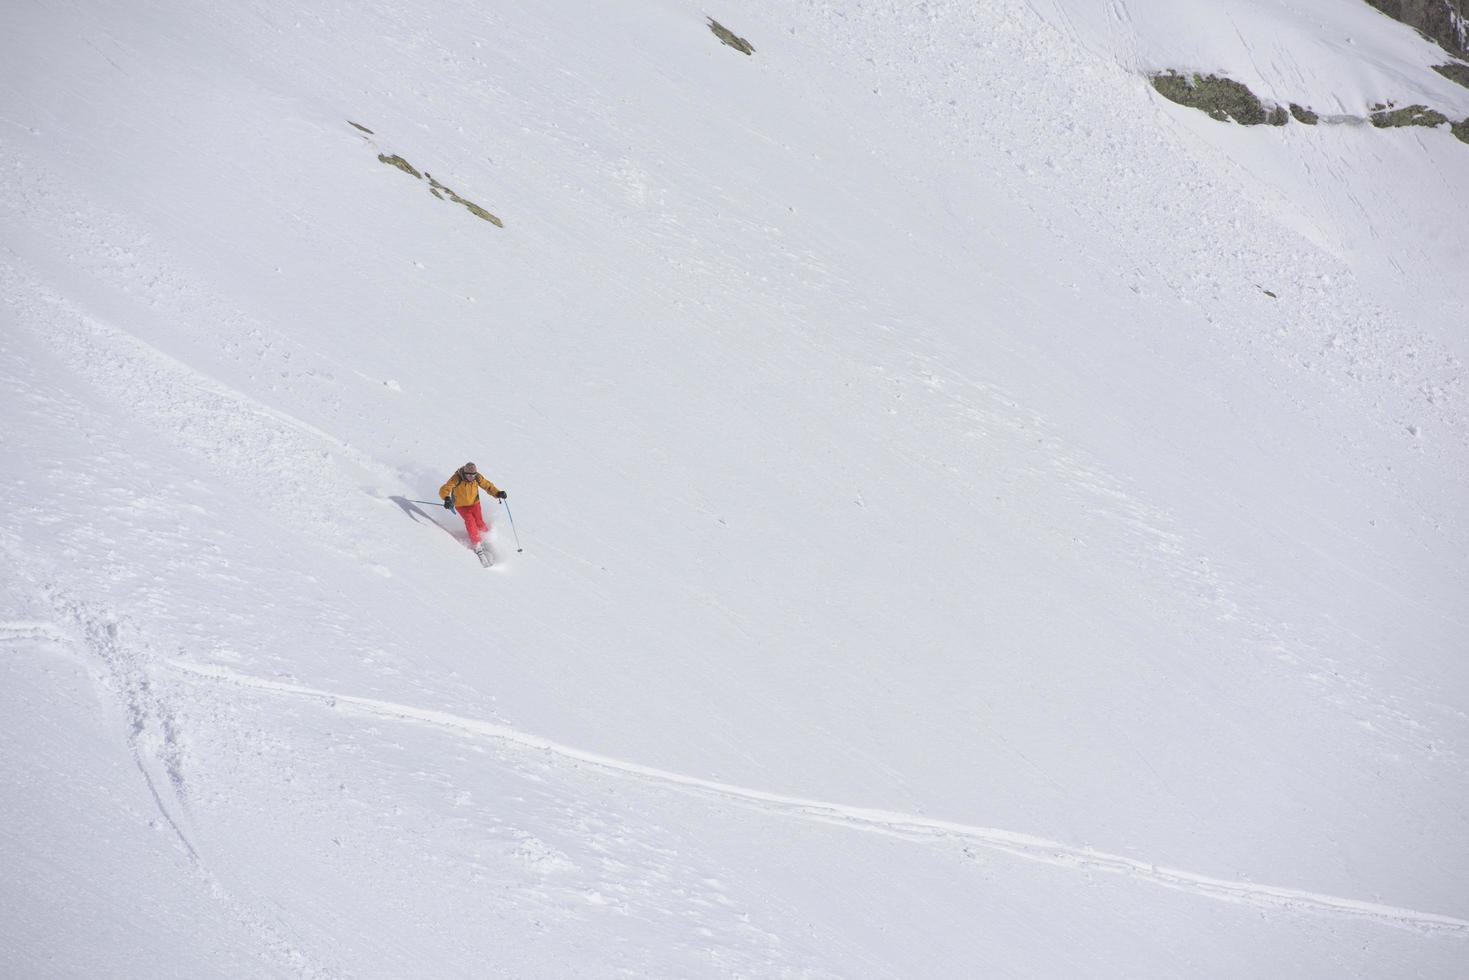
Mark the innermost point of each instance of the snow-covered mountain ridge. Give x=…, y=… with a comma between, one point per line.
x=1337, y=58
x=979, y=518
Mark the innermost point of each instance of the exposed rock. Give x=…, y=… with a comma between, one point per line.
x=1444, y=21
x=1304, y=115
x=1386, y=117
x=400, y=163
x=1222, y=98
x=438, y=190
x=1225, y=100
x=730, y=38
x=470, y=206
x=480, y=212
x=1454, y=71
x=361, y=127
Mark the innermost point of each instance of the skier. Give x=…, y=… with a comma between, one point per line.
x=461, y=492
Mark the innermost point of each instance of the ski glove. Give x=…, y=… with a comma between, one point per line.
x=502, y=494
x=448, y=503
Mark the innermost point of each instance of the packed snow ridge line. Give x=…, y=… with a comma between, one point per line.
x=901, y=825
x=1445, y=22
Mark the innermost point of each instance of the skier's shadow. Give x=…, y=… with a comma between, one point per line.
x=420, y=516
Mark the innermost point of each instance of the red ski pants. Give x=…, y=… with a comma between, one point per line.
x=474, y=522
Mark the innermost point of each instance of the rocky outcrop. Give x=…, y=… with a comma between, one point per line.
x=1226, y=100
x=437, y=189
x=1223, y=99
x=730, y=38
x=1387, y=117
x=400, y=163
x=1454, y=72
x=1304, y=115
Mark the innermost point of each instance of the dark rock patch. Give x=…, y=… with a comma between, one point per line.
x=730, y=38
x=1386, y=117
x=437, y=189
x=1227, y=100
x=1223, y=99
x=400, y=163
x=1454, y=71
x=1304, y=115
x=474, y=209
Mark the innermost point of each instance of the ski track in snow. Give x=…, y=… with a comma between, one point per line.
x=125, y=671
x=901, y=825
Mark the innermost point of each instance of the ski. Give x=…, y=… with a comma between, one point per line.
x=486, y=556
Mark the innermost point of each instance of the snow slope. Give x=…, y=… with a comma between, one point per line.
x=943, y=557
x=1335, y=58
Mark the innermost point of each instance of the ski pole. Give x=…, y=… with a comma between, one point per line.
x=431, y=503
x=512, y=525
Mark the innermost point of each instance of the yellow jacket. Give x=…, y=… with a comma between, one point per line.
x=464, y=490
